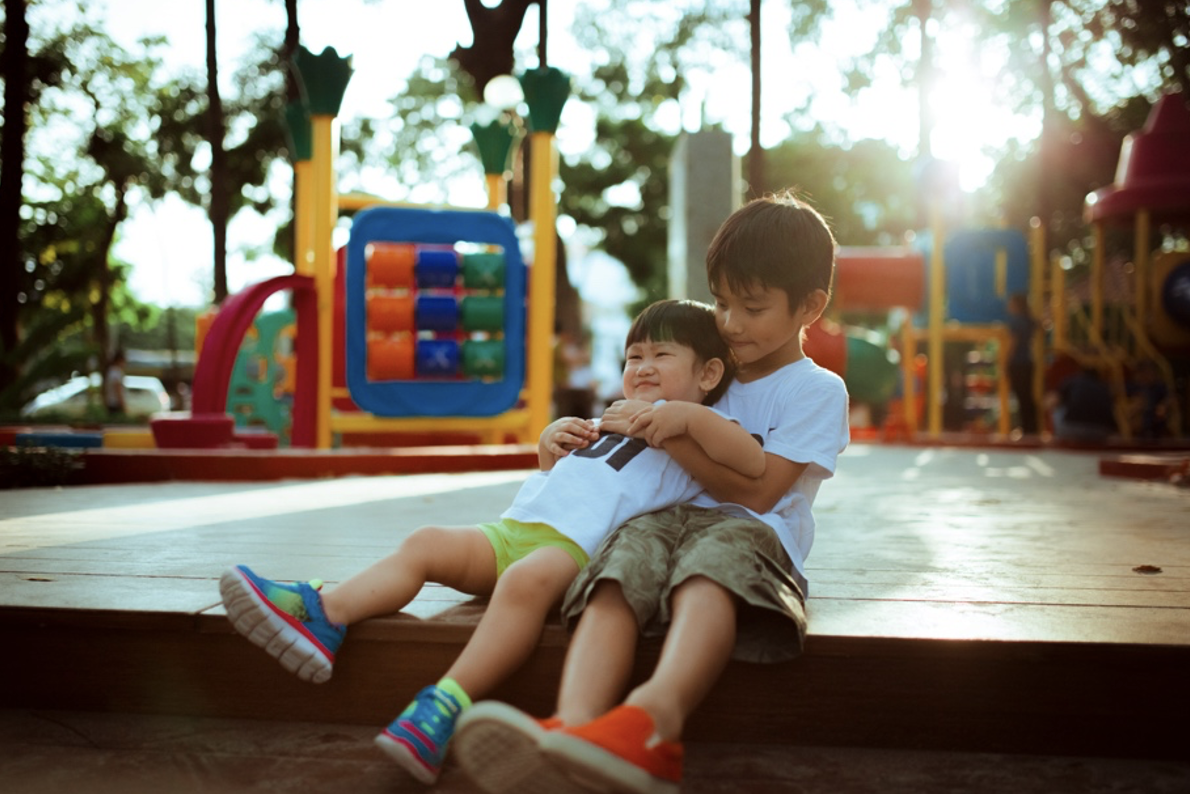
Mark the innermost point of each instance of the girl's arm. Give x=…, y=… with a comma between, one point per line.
x=723, y=441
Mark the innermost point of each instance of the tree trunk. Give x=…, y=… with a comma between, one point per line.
x=292, y=39
x=924, y=9
x=1045, y=143
x=100, y=310
x=494, y=31
x=756, y=180
x=217, y=211
x=14, y=61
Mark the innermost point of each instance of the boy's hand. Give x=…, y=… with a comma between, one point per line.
x=567, y=434
x=619, y=414
x=657, y=423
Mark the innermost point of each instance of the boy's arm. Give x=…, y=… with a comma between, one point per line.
x=724, y=442
x=759, y=494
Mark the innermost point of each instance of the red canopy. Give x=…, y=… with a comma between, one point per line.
x=1154, y=168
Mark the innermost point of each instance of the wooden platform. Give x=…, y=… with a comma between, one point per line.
x=1001, y=601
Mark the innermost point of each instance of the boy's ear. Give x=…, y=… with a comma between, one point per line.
x=712, y=373
x=814, y=305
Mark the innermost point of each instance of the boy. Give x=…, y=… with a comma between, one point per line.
x=730, y=581
x=526, y=560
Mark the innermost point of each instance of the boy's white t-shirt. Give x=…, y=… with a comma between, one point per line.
x=592, y=491
x=800, y=413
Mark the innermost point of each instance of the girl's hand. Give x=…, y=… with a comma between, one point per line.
x=619, y=415
x=660, y=422
x=567, y=434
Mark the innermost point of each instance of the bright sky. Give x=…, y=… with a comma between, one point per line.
x=170, y=243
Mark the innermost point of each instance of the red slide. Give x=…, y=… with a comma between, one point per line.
x=212, y=374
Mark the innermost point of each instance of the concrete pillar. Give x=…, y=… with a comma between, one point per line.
x=704, y=188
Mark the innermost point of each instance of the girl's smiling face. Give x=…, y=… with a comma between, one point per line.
x=667, y=371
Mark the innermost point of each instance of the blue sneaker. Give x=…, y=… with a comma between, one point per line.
x=285, y=619
x=417, y=739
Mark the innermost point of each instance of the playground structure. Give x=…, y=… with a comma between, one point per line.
x=1150, y=323
x=422, y=330
x=963, y=290
x=423, y=322
x=962, y=280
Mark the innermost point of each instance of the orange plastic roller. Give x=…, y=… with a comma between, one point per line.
x=390, y=314
x=390, y=265
x=390, y=358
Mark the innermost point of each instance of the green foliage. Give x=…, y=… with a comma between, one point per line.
x=105, y=130
x=865, y=190
x=425, y=145
x=174, y=328
x=38, y=467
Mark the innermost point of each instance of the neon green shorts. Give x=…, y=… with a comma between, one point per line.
x=514, y=540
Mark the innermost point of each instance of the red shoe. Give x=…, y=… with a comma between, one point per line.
x=496, y=746
x=615, y=751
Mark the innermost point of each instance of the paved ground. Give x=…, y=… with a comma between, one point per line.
x=66, y=753
x=942, y=543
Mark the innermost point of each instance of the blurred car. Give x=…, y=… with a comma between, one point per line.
x=143, y=396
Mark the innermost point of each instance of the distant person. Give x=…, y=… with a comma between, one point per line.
x=574, y=394
x=115, y=397
x=1021, y=326
x=1084, y=410
x=1148, y=401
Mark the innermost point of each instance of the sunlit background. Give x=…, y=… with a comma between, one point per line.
x=386, y=41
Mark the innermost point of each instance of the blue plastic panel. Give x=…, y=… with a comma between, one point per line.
x=464, y=397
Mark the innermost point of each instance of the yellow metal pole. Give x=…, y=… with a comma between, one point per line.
x=1141, y=261
x=1037, y=273
x=1003, y=340
x=497, y=191
x=937, y=313
x=543, y=285
x=1097, y=267
x=1058, y=303
x=909, y=375
x=303, y=186
x=1001, y=272
x=325, y=134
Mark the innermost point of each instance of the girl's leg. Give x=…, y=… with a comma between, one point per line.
x=511, y=625
x=458, y=557
x=599, y=659
x=697, y=647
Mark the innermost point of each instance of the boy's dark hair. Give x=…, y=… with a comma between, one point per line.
x=690, y=324
x=778, y=241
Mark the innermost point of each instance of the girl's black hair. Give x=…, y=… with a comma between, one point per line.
x=690, y=324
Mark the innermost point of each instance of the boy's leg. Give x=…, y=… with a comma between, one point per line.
x=599, y=660
x=699, y=643
x=507, y=634
x=458, y=557
x=635, y=747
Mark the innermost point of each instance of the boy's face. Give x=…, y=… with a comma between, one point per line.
x=665, y=371
x=760, y=327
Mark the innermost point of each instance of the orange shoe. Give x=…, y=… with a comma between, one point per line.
x=496, y=746
x=616, y=751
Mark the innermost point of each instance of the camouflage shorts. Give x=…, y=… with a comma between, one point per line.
x=652, y=554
